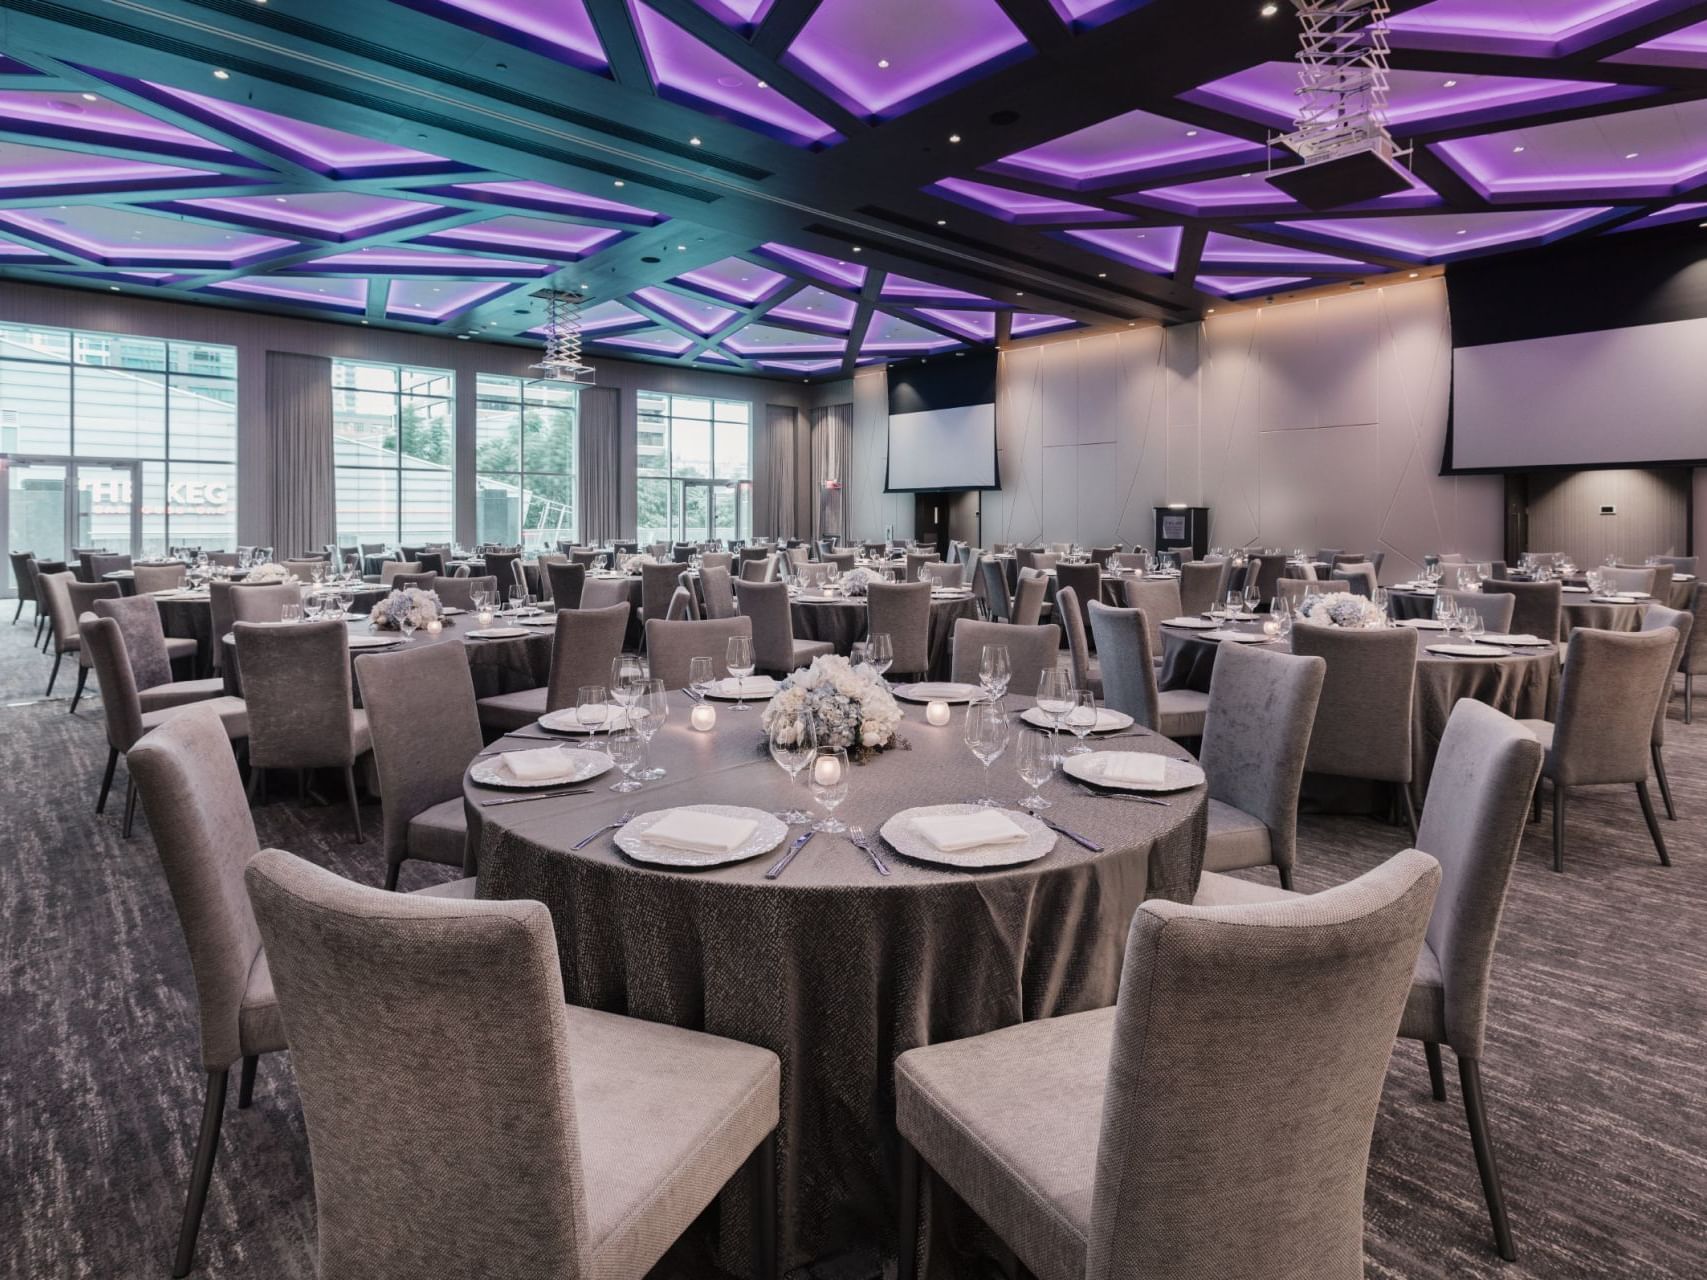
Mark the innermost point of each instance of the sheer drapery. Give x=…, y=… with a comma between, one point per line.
x=299, y=421
x=598, y=475
x=832, y=440
x=775, y=458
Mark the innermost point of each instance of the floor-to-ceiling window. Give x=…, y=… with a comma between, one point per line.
x=164, y=413
x=694, y=461
x=394, y=448
x=524, y=482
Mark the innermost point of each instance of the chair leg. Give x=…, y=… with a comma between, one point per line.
x=1285, y=878
x=129, y=805
x=761, y=1168
x=1688, y=699
x=907, y=1238
x=1476, y=1112
x=207, y=1147
x=1436, y=1074
x=1535, y=803
x=1653, y=823
x=18, y=612
x=107, y=779
x=246, y=1083
x=77, y=694
x=1558, y=827
x=1410, y=808
x=391, y=874
x=1665, y=782
x=355, y=808
x=54, y=674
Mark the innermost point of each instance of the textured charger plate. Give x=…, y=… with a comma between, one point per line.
x=1191, y=624
x=937, y=691
x=1468, y=650
x=499, y=633
x=1423, y=624
x=905, y=838
x=717, y=691
x=1238, y=637
x=768, y=833
x=1107, y=721
x=578, y=766
x=374, y=642
x=1181, y=774
x=566, y=721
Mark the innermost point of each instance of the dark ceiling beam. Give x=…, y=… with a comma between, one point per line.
x=865, y=307
x=1038, y=23
x=621, y=43
x=781, y=25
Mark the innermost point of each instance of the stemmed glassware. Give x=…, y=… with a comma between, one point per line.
x=1035, y=765
x=406, y=624
x=312, y=606
x=592, y=708
x=994, y=672
x=626, y=751
x=1055, y=700
x=1446, y=613
x=1253, y=596
x=701, y=674
x=1235, y=605
x=738, y=657
x=1081, y=718
x=345, y=600
x=830, y=786
x=627, y=674
x=987, y=732
x=794, y=745
x=880, y=653
x=650, y=710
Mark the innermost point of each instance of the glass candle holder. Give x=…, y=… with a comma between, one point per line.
x=703, y=718
x=937, y=713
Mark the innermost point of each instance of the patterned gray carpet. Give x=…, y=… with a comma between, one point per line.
x=1596, y=1071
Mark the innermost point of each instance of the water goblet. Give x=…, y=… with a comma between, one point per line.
x=830, y=786
x=1055, y=700
x=1081, y=718
x=738, y=657
x=793, y=745
x=626, y=675
x=626, y=750
x=649, y=713
x=313, y=605
x=701, y=674
x=879, y=652
x=592, y=708
x=986, y=735
x=858, y=654
x=346, y=599
x=994, y=671
x=1235, y=604
x=1035, y=765
x=1253, y=597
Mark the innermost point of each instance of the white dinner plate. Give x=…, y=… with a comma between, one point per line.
x=937, y=691
x=1468, y=650
x=1241, y=616
x=1423, y=624
x=1522, y=640
x=566, y=721
x=1191, y=624
x=768, y=833
x=1238, y=637
x=1616, y=599
x=1089, y=767
x=950, y=593
x=1107, y=721
x=450, y=610
x=499, y=633
x=906, y=839
x=721, y=693
x=578, y=766
x=374, y=642
x=1576, y=591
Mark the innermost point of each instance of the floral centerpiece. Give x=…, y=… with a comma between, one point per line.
x=855, y=581
x=267, y=571
x=848, y=706
x=420, y=607
x=1341, y=609
x=631, y=564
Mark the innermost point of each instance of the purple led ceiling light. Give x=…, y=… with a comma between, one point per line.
x=801, y=366
x=543, y=198
x=895, y=286
x=1438, y=237
x=1691, y=211
x=559, y=241
x=1027, y=323
x=1247, y=286
x=1683, y=48
x=658, y=341
x=889, y=334
x=1128, y=145
x=882, y=58
x=813, y=306
x=338, y=295
x=1018, y=207
x=558, y=29
x=27, y=171
x=69, y=115
x=758, y=339
x=1153, y=248
x=1251, y=193
x=734, y=280
x=737, y=13
x=686, y=69
x=979, y=326
x=123, y=237
x=830, y=270
x=1232, y=252
x=420, y=262
x=429, y=303
x=334, y=215
x=604, y=315
x=704, y=318
x=1526, y=28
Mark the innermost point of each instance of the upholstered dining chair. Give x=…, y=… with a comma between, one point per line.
x=1158, y=599
x=671, y=647
x=1694, y=661
x=585, y=641
x=1293, y=590
x=915, y=560
x=1603, y=731
x=846, y=561
x=458, y=593
x=389, y=569
x=56, y=594
x=314, y=568
x=997, y=602
x=761, y=568
x=423, y=581
x=566, y=582
x=420, y=774
x=1200, y=586
x=204, y=834
x=1130, y=1141
x=24, y=582
x=1256, y=738
x=1679, y=564
x=658, y=582
x=681, y=605
x=775, y=650
x=1537, y=607
x=1657, y=617
x=626, y=1129
x=1031, y=651
x=586, y=557
x=297, y=684
x=1360, y=577
x=903, y=612
x=717, y=588
x=102, y=564
x=939, y=574
x=500, y=565
x=151, y=654
x=1629, y=579
x=1496, y=607
x=126, y=721
x=1364, y=717
x=1029, y=597
x=83, y=597
x=1100, y=556
x=1086, y=582
x=1129, y=676
x=1265, y=571
x=1086, y=669
x=1661, y=590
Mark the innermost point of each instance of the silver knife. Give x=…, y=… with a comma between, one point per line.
x=1074, y=836
x=538, y=795
x=796, y=847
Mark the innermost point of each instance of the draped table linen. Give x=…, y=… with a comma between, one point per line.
x=844, y=623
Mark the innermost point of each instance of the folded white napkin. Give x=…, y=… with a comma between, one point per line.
x=699, y=832
x=1139, y=768
x=944, y=689
x=957, y=832
x=1524, y=638
x=535, y=766
x=748, y=685
x=1575, y=590
x=1183, y=622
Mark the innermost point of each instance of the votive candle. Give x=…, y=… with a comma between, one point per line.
x=827, y=771
x=703, y=718
x=937, y=713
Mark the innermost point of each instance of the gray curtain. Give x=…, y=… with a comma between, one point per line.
x=832, y=442
x=299, y=422
x=775, y=462
x=598, y=476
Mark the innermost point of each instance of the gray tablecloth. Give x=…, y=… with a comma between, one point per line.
x=1583, y=611
x=835, y=968
x=843, y=623
x=1404, y=604
x=1522, y=685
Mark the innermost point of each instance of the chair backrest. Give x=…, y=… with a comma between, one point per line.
x=367, y=982
x=1303, y=995
x=1605, y=720
x=83, y=595
x=1656, y=617
x=586, y=641
x=995, y=590
x=1496, y=607
x=1293, y=590
x=760, y=568
x=1364, y=715
x=1086, y=582
x=602, y=593
x=916, y=558
x=1623, y=579
x=458, y=593
x=1100, y=556
x=418, y=770
x=119, y=701
x=586, y=557
x=1031, y=651
x=1537, y=607
x=1159, y=599
x=1256, y=736
x=1695, y=649
x=186, y=776
x=716, y=559
x=296, y=680
x=1450, y=557
x=389, y=569
x=101, y=565
x=846, y=561
x=1200, y=585
x=1072, y=620
x=681, y=606
x=310, y=570
x=718, y=589
x=1128, y=669
x=421, y=581
x=1328, y=553
x=263, y=602
x=1661, y=590
x=1045, y=560
x=1267, y=570
x=21, y=576
x=1029, y=595
x=1679, y=564
x=138, y=619
x=658, y=582
x=766, y=603
x=943, y=575
x=902, y=610
x=672, y=646
x=54, y=589
x=498, y=566
x=1472, y=823
x=1360, y=577
x=567, y=582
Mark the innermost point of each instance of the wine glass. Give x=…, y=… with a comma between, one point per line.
x=858, y=655
x=994, y=671
x=648, y=714
x=1081, y=718
x=1473, y=623
x=1055, y=700
x=701, y=674
x=1035, y=765
x=406, y=624
x=738, y=657
x=987, y=735
x=879, y=652
x=830, y=786
x=291, y=613
x=626, y=675
x=1235, y=604
x=626, y=751
x=346, y=599
x=794, y=745
x=1446, y=613
x=592, y=708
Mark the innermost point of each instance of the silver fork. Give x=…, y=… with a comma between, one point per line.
x=856, y=836
x=1130, y=799
x=626, y=818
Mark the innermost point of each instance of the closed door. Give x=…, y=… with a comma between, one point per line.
x=35, y=511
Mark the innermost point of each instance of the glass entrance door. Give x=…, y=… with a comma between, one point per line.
x=52, y=505
x=107, y=513
x=35, y=511
x=698, y=502
x=717, y=509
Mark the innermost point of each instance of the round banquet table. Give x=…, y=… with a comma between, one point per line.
x=843, y=622
x=836, y=969
x=1405, y=604
x=1591, y=611
x=1522, y=684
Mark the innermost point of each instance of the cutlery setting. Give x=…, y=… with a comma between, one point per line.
x=626, y=818
x=858, y=838
x=1130, y=799
x=537, y=795
x=781, y=863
